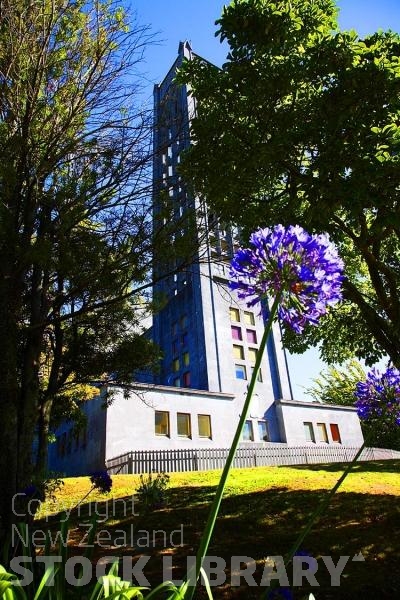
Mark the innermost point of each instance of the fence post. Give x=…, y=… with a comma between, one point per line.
x=130, y=464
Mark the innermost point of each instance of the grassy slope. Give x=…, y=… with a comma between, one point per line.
x=263, y=511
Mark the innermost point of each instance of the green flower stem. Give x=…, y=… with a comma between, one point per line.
x=193, y=575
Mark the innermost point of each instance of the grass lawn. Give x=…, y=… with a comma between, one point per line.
x=262, y=513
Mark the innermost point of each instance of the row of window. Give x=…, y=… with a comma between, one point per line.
x=183, y=424
x=180, y=354
x=322, y=432
x=246, y=317
x=241, y=372
x=71, y=441
x=248, y=431
x=237, y=334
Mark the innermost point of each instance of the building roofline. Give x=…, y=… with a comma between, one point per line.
x=149, y=387
x=317, y=405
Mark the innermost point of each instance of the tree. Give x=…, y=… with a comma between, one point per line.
x=302, y=125
x=336, y=385
x=76, y=234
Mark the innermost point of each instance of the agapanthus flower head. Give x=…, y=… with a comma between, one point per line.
x=378, y=397
x=305, y=269
x=101, y=481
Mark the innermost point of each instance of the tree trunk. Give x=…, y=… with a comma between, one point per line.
x=9, y=414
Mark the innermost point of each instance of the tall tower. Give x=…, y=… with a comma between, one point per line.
x=208, y=337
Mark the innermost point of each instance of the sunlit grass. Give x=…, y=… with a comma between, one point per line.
x=262, y=512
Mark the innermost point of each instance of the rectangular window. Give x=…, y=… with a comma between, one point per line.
x=161, y=419
x=238, y=352
x=184, y=340
x=76, y=437
x=309, y=431
x=183, y=424
x=251, y=336
x=84, y=437
x=63, y=444
x=252, y=355
x=204, y=422
x=234, y=314
x=175, y=347
x=186, y=359
x=236, y=332
x=248, y=434
x=175, y=365
x=177, y=382
x=240, y=371
x=263, y=431
x=322, y=433
x=259, y=375
x=186, y=379
x=335, y=433
x=174, y=328
x=249, y=317
x=69, y=441
x=184, y=322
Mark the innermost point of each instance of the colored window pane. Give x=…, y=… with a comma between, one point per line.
x=252, y=355
x=161, y=422
x=263, y=431
x=259, y=375
x=249, y=317
x=309, y=431
x=240, y=371
x=251, y=336
x=177, y=382
x=183, y=424
x=234, y=314
x=204, y=422
x=238, y=352
x=175, y=365
x=322, y=433
x=186, y=379
x=335, y=433
x=236, y=332
x=248, y=434
x=186, y=359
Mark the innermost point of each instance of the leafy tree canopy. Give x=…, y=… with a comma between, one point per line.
x=76, y=234
x=302, y=125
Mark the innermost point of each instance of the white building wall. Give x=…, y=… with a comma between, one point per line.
x=131, y=421
x=292, y=415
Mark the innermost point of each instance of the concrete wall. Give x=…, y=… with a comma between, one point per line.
x=131, y=421
x=292, y=415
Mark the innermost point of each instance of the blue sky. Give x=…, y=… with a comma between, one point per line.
x=176, y=20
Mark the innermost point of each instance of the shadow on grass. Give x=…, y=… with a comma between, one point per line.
x=262, y=524
x=376, y=466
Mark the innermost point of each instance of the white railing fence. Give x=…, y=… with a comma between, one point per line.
x=254, y=455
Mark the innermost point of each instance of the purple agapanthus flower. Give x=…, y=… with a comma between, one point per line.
x=101, y=481
x=304, y=268
x=379, y=396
